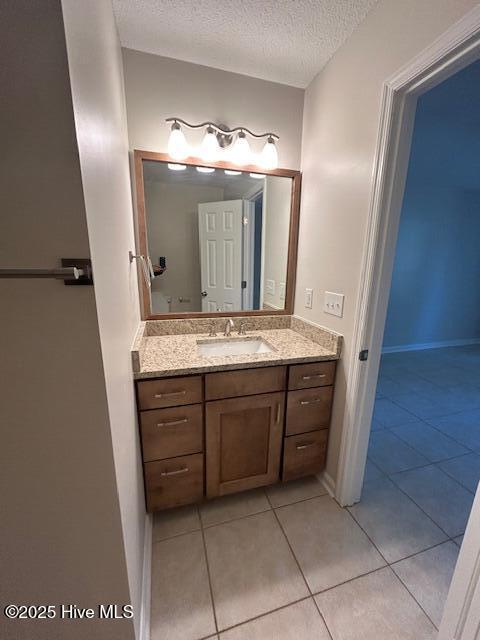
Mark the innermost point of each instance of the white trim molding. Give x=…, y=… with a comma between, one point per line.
x=421, y=346
x=144, y=633
x=454, y=50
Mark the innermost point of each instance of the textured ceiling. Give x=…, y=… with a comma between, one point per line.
x=286, y=41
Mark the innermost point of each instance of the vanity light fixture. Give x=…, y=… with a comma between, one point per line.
x=218, y=137
x=177, y=143
x=205, y=169
x=230, y=172
x=241, y=150
x=269, y=155
x=176, y=167
x=210, y=149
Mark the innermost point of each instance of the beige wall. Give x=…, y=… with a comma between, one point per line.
x=61, y=522
x=276, y=211
x=96, y=74
x=341, y=121
x=158, y=88
x=172, y=228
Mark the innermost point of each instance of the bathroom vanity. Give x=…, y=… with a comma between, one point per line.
x=217, y=424
x=233, y=391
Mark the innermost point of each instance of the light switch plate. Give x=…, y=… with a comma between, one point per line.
x=333, y=303
x=270, y=287
x=308, y=298
x=281, y=290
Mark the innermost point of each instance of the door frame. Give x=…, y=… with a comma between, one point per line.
x=453, y=50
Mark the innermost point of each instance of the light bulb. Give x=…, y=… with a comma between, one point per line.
x=177, y=144
x=176, y=167
x=229, y=172
x=269, y=155
x=241, y=150
x=257, y=176
x=205, y=169
x=209, y=148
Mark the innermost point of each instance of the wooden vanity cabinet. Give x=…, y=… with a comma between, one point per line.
x=243, y=442
x=224, y=432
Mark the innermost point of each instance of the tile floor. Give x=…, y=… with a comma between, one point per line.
x=287, y=562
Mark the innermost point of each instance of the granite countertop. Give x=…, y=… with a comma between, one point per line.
x=168, y=355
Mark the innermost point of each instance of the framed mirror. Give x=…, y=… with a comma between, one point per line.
x=213, y=239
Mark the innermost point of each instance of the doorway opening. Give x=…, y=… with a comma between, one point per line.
x=423, y=464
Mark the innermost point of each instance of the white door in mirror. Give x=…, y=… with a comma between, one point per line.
x=220, y=235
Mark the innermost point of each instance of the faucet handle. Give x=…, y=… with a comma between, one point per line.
x=241, y=329
x=212, y=333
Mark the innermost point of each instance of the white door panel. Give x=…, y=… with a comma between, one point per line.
x=220, y=236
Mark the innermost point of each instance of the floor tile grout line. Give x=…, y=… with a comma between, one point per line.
x=246, y=515
x=421, y=509
x=263, y=615
x=212, y=599
x=406, y=424
x=299, y=566
x=429, y=424
x=434, y=464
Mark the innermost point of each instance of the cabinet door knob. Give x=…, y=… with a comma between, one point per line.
x=204, y=294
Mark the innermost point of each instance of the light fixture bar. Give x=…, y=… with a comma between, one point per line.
x=223, y=130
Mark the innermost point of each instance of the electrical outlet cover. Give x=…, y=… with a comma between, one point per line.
x=308, y=298
x=333, y=303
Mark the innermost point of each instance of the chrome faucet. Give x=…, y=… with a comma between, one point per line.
x=241, y=329
x=228, y=327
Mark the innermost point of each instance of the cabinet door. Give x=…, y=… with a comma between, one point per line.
x=243, y=440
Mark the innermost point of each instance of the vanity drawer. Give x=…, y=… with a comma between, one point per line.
x=244, y=382
x=169, y=392
x=308, y=409
x=304, y=454
x=171, y=483
x=176, y=431
x=313, y=374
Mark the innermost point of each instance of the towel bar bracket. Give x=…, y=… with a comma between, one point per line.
x=74, y=271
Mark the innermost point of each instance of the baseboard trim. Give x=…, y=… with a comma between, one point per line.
x=147, y=580
x=328, y=482
x=431, y=345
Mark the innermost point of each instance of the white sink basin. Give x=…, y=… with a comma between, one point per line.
x=233, y=346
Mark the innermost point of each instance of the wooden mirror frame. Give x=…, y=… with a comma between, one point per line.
x=145, y=298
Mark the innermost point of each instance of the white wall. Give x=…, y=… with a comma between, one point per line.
x=158, y=88
x=433, y=299
x=61, y=522
x=96, y=74
x=277, y=197
x=341, y=122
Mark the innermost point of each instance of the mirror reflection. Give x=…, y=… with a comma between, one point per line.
x=217, y=238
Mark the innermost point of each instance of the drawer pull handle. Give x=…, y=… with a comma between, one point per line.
x=314, y=375
x=171, y=393
x=314, y=401
x=172, y=423
x=175, y=473
x=304, y=446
